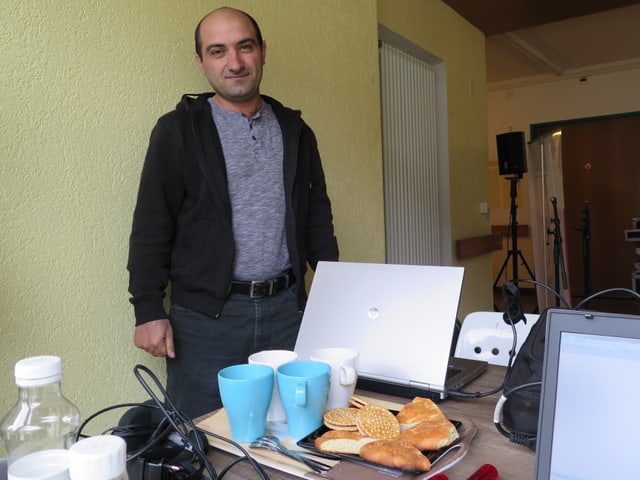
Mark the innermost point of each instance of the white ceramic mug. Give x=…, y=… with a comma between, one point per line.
x=344, y=373
x=273, y=359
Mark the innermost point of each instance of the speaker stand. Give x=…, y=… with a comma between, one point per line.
x=513, y=254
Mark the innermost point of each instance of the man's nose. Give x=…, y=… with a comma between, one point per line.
x=235, y=62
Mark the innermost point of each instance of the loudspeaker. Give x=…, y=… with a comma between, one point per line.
x=512, y=158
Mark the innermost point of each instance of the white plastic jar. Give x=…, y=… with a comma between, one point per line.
x=103, y=457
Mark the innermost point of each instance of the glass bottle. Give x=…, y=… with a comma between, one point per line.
x=42, y=418
x=102, y=457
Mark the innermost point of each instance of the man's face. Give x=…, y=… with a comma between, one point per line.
x=231, y=60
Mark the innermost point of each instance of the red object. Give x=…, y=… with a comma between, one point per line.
x=485, y=472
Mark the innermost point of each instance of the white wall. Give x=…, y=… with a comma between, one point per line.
x=516, y=109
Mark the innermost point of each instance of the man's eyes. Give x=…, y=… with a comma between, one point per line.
x=219, y=52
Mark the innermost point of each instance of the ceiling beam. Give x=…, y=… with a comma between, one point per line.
x=547, y=58
x=500, y=16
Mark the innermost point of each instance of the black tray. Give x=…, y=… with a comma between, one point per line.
x=433, y=455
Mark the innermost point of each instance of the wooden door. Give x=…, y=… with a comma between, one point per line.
x=601, y=166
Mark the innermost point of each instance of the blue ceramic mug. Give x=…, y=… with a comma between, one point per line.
x=245, y=391
x=304, y=389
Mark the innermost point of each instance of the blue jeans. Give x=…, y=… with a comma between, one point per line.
x=205, y=345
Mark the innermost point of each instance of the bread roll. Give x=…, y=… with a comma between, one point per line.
x=425, y=426
x=431, y=434
x=341, y=441
x=418, y=410
x=395, y=454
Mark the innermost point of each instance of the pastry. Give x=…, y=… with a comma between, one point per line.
x=395, y=454
x=431, y=434
x=341, y=441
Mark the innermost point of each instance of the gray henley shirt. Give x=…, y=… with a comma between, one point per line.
x=253, y=153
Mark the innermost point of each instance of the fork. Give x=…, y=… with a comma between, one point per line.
x=273, y=444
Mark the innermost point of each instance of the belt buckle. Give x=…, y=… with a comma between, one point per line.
x=262, y=291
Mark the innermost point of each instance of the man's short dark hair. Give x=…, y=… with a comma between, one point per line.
x=256, y=28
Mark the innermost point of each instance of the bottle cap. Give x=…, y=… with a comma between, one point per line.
x=38, y=371
x=42, y=465
x=102, y=457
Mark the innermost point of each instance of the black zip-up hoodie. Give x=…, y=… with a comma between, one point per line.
x=182, y=229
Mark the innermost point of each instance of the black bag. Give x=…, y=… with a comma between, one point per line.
x=522, y=385
x=520, y=410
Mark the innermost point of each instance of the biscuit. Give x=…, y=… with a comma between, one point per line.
x=357, y=402
x=377, y=422
x=341, y=418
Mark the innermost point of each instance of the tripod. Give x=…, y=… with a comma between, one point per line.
x=514, y=254
x=586, y=248
x=558, y=257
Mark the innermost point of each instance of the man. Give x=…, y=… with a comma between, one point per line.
x=232, y=205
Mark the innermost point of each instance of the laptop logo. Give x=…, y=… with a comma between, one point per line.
x=373, y=313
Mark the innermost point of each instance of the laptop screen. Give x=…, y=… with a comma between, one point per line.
x=589, y=399
x=400, y=318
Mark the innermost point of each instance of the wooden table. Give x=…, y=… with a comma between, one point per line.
x=513, y=462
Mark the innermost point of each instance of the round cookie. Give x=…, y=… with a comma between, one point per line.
x=357, y=402
x=377, y=422
x=341, y=419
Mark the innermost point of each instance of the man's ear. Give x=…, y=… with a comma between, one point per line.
x=264, y=52
x=198, y=60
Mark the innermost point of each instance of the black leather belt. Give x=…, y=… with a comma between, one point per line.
x=263, y=288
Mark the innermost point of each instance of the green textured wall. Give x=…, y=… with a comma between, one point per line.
x=82, y=85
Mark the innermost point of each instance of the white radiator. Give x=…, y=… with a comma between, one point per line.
x=410, y=157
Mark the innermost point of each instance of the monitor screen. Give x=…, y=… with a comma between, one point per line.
x=595, y=418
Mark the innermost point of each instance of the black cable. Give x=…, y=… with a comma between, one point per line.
x=182, y=419
x=102, y=411
x=229, y=466
x=522, y=387
x=245, y=453
x=173, y=421
x=512, y=354
x=540, y=284
x=158, y=434
x=609, y=290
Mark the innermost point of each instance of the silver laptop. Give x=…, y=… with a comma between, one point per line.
x=590, y=391
x=401, y=318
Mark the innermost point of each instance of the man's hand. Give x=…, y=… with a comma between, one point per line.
x=155, y=337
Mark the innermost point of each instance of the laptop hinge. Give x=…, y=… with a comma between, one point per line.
x=426, y=386
x=395, y=389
